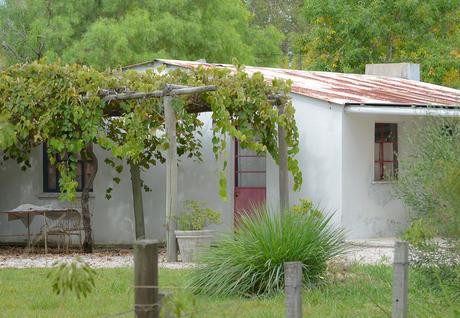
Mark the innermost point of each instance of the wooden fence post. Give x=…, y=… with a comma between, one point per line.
x=146, y=300
x=400, y=279
x=293, y=285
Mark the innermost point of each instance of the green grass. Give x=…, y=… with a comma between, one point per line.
x=358, y=292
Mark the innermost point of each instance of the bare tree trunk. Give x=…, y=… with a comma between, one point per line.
x=389, y=56
x=137, y=201
x=88, y=242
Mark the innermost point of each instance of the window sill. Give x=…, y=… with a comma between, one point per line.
x=55, y=195
x=384, y=182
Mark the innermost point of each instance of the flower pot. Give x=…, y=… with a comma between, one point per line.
x=193, y=243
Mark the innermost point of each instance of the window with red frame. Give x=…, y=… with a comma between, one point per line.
x=385, y=151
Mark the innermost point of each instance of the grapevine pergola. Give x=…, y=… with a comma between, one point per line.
x=123, y=111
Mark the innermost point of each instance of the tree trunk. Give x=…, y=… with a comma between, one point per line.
x=137, y=201
x=389, y=56
x=86, y=214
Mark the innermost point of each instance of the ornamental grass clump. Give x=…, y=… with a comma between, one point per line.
x=250, y=261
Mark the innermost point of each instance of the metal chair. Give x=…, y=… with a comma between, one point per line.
x=65, y=224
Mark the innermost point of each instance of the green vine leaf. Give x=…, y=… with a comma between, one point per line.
x=61, y=105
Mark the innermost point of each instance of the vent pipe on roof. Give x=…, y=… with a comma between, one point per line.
x=409, y=71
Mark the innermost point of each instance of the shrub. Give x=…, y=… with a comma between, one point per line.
x=196, y=217
x=429, y=178
x=250, y=262
x=420, y=233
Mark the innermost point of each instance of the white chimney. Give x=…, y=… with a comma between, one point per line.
x=402, y=70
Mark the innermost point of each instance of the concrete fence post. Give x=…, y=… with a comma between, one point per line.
x=400, y=279
x=293, y=285
x=146, y=300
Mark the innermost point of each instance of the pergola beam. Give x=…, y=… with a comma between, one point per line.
x=170, y=90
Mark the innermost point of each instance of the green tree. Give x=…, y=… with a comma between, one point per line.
x=282, y=14
x=429, y=179
x=113, y=33
x=345, y=35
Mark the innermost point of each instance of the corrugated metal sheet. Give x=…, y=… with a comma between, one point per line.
x=341, y=88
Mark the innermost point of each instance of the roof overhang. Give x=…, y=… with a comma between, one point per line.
x=400, y=110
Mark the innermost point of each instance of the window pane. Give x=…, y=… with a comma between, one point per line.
x=51, y=182
x=251, y=179
x=389, y=132
x=388, y=152
x=251, y=164
x=388, y=170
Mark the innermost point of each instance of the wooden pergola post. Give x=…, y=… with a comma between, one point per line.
x=171, y=179
x=283, y=168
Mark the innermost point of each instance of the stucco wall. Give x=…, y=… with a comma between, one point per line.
x=336, y=158
x=369, y=207
x=319, y=125
x=112, y=220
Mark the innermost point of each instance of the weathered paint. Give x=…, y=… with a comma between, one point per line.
x=343, y=88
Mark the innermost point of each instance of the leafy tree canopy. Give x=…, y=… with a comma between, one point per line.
x=282, y=14
x=112, y=33
x=345, y=35
x=62, y=106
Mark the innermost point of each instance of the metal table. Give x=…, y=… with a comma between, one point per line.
x=27, y=212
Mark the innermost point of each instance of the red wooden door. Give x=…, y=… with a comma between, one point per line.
x=250, y=180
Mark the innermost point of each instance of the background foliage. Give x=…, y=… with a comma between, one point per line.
x=345, y=35
x=112, y=33
x=429, y=182
x=330, y=35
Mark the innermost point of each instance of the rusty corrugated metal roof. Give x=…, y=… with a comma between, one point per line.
x=343, y=88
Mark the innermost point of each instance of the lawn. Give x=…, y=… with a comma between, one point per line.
x=360, y=291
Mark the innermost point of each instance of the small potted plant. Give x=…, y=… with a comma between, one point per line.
x=191, y=236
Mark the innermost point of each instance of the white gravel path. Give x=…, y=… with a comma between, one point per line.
x=370, y=252
x=105, y=259
x=93, y=261
x=364, y=252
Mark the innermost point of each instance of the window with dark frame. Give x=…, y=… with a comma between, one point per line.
x=385, y=151
x=51, y=174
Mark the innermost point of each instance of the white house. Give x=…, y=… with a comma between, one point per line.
x=350, y=127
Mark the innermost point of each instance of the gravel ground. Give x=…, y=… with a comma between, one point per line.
x=15, y=257
x=364, y=253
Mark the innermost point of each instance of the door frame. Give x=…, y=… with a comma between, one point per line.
x=236, y=173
